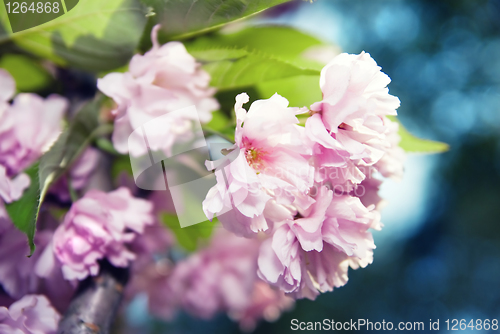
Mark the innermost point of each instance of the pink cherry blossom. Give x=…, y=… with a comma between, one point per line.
x=221, y=277
x=165, y=79
x=391, y=163
x=367, y=192
x=310, y=253
x=32, y=314
x=271, y=161
x=7, y=88
x=18, y=274
x=350, y=125
x=12, y=189
x=27, y=129
x=217, y=278
x=99, y=226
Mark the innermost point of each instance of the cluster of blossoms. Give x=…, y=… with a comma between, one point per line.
x=296, y=202
x=304, y=187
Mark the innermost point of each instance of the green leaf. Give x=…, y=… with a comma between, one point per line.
x=191, y=237
x=71, y=143
x=283, y=43
x=70, y=4
x=121, y=163
x=106, y=145
x=218, y=122
x=29, y=75
x=209, y=54
x=54, y=164
x=240, y=68
x=227, y=99
x=185, y=18
x=301, y=91
x=413, y=144
x=259, y=56
x=23, y=212
x=68, y=147
x=96, y=35
x=221, y=126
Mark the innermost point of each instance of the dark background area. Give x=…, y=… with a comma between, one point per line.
x=444, y=60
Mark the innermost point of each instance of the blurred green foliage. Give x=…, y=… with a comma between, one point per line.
x=190, y=237
x=27, y=72
x=96, y=35
x=181, y=19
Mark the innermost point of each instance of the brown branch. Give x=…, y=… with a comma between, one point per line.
x=95, y=303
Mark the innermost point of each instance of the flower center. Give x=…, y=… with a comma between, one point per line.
x=254, y=158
